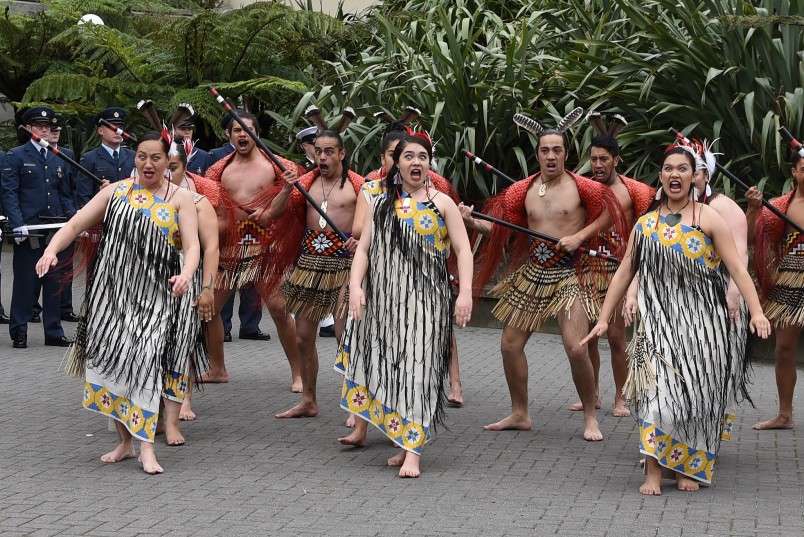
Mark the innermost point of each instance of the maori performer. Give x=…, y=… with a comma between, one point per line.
x=396, y=130
x=779, y=266
x=679, y=387
x=547, y=279
x=634, y=198
x=251, y=179
x=138, y=325
x=396, y=349
x=315, y=287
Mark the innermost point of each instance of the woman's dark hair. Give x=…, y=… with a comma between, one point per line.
x=393, y=132
x=152, y=136
x=385, y=208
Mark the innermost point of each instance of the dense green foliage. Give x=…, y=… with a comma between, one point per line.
x=726, y=69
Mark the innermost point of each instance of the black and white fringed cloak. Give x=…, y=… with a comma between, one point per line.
x=395, y=358
x=683, y=373
x=134, y=334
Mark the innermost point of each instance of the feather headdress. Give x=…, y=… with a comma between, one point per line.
x=314, y=115
x=536, y=128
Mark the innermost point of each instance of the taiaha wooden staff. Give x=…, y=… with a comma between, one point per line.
x=795, y=144
x=480, y=162
x=55, y=150
x=588, y=251
x=264, y=148
x=117, y=130
x=719, y=167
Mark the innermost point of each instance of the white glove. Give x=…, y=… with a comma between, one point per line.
x=22, y=230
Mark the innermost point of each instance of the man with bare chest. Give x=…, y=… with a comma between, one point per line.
x=779, y=265
x=634, y=198
x=552, y=281
x=316, y=286
x=247, y=174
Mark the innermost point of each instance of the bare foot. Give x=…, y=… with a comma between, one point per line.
x=122, y=452
x=510, y=423
x=356, y=439
x=455, y=397
x=173, y=436
x=211, y=377
x=149, y=464
x=302, y=410
x=779, y=422
x=296, y=385
x=592, y=432
x=397, y=459
x=186, y=413
x=653, y=479
x=578, y=407
x=350, y=421
x=620, y=410
x=411, y=466
x=686, y=484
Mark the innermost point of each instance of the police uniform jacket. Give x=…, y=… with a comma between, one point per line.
x=33, y=187
x=2, y=165
x=198, y=162
x=218, y=153
x=99, y=162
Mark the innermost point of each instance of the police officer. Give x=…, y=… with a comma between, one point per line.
x=34, y=186
x=197, y=161
x=66, y=297
x=218, y=153
x=306, y=138
x=110, y=162
x=3, y=317
x=250, y=310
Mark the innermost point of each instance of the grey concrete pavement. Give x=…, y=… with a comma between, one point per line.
x=243, y=472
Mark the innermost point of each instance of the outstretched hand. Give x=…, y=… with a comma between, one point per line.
x=357, y=299
x=463, y=310
x=45, y=262
x=760, y=326
x=598, y=330
x=180, y=284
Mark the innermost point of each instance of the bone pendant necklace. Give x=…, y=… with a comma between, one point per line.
x=322, y=223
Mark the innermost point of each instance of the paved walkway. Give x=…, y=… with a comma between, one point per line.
x=243, y=472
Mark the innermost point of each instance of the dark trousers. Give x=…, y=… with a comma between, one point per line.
x=66, y=294
x=24, y=292
x=250, y=311
x=2, y=311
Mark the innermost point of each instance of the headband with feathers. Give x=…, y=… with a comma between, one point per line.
x=314, y=115
x=147, y=109
x=616, y=125
x=536, y=128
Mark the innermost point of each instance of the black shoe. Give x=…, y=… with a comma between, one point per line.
x=327, y=331
x=21, y=341
x=35, y=318
x=259, y=335
x=4, y=319
x=70, y=317
x=59, y=342
x=227, y=337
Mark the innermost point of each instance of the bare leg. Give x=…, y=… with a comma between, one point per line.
x=124, y=450
x=786, y=343
x=619, y=363
x=455, y=397
x=358, y=436
x=186, y=413
x=397, y=460
x=148, y=459
x=515, y=365
x=653, y=478
x=410, y=468
x=173, y=434
x=594, y=356
x=286, y=330
x=306, y=333
x=217, y=367
x=574, y=326
x=351, y=421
